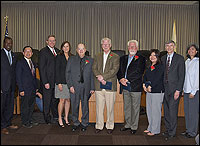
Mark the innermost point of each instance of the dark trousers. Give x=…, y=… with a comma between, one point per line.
x=170, y=111
x=7, y=108
x=27, y=107
x=49, y=103
x=75, y=102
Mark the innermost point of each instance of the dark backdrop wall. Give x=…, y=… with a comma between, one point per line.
x=151, y=24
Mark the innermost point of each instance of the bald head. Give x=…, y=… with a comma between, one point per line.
x=81, y=50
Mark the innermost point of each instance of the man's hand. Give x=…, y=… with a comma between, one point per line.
x=21, y=93
x=103, y=82
x=191, y=96
x=176, y=95
x=99, y=77
x=60, y=87
x=39, y=95
x=47, y=86
x=72, y=90
x=123, y=81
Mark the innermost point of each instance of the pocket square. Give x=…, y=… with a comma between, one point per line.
x=108, y=85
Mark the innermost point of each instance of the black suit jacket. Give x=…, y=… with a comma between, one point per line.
x=8, y=78
x=134, y=73
x=25, y=80
x=176, y=75
x=47, y=66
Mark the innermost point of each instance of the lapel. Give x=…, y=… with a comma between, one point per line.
x=108, y=61
x=5, y=56
x=101, y=61
x=27, y=65
x=173, y=61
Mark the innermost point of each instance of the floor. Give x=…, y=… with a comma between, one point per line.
x=44, y=134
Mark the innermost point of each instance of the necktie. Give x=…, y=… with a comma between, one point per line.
x=81, y=70
x=32, y=67
x=54, y=53
x=9, y=58
x=167, y=69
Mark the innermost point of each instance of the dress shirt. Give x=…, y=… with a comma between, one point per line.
x=191, y=84
x=52, y=49
x=7, y=54
x=105, y=56
x=129, y=61
x=27, y=60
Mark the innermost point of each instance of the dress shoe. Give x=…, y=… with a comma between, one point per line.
x=165, y=134
x=83, y=129
x=34, y=123
x=61, y=125
x=124, y=129
x=189, y=136
x=183, y=133
x=146, y=131
x=109, y=131
x=5, y=131
x=74, y=128
x=13, y=127
x=133, y=131
x=169, y=137
x=27, y=125
x=98, y=130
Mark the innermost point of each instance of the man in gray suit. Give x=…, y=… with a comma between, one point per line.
x=80, y=81
x=173, y=82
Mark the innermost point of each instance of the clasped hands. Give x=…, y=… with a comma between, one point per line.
x=124, y=81
x=100, y=79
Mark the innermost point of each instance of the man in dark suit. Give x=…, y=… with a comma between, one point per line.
x=8, y=85
x=173, y=82
x=47, y=58
x=27, y=84
x=130, y=74
x=80, y=81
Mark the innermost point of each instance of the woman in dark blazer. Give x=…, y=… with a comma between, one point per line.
x=153, y=85
x=61, y=88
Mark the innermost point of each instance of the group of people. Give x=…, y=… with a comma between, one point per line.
x=67, y=79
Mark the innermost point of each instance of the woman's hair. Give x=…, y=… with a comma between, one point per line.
x=157, y=54
x=197, y=49
x=62, y=45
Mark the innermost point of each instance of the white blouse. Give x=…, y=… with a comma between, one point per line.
x=191, y=84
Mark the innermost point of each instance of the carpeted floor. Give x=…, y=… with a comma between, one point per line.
x=54, y=135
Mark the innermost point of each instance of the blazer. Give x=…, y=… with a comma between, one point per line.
x=135, y=71
x=73, y=73
x=110, y=71
x=8, y=77
x=47, y=66
x=156, y=77
x=61, y=64
x=25, y=80
x=176, y=75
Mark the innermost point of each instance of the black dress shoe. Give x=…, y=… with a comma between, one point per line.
x=124, y=129
x=74, y=128
x=34, y=123
x=109, y=131
x=169, y=137
x=98, y=130
x=165, y=134
x=133, y=131
x=27, y=125
x=183, y=133
x=189, y=136
x=83, y=129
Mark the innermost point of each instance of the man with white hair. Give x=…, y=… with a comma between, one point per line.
x=130, y=77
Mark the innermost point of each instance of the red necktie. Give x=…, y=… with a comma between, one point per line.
x=54, y=53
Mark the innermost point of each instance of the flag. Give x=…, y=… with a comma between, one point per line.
x=6, y=27
x=174, y=34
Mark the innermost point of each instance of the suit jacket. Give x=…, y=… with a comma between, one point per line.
x=8, y=77
x=176, y=75
x=135, y=71
x=110, y=71
x=73, y=73
x=25, y=80
x=47, y=66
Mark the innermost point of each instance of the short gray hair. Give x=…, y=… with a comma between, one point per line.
x=133, y=41
x=103, y=39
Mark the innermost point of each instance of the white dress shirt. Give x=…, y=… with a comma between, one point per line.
x=105, y=56
x=52, y=49
x=191, y=84
x=7, y=54
x=171, y=55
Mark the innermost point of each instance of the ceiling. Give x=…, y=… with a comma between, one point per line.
x=99, y=2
